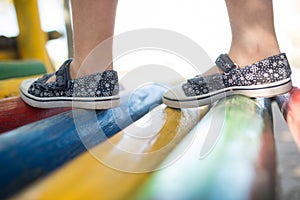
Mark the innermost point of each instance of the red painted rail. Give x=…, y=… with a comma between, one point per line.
x=289, y=105
x=15, y=113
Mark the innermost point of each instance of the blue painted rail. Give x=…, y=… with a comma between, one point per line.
x=34, y=150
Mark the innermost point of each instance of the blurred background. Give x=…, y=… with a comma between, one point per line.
x=201, y=21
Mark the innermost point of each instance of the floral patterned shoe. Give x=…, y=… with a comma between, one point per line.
x=266, y=78
x=96, y=91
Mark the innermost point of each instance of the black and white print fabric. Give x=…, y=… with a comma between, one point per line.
x=103, y=84
x=225, y=63
x=269, y=70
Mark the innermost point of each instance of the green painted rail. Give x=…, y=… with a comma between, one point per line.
x=15, y=69
x=232, y=156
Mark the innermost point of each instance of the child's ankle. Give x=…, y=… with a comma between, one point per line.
x=245, y=57
x=77, y=71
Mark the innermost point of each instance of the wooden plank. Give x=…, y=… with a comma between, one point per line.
x=15, y=113
x=10, y=87
x=239, y=164
x=123, y=162
x=17, y=68
x=289, y=105
x=36, y=149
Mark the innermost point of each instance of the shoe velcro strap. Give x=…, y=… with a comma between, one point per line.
x=63, y=78
x=225, y=63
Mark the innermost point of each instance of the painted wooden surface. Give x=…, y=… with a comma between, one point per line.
x=34, y=150
x=9, y=54
x=15, y=113
x=21, y=68
x=10, y=87
x=239, y=163
x=289, y=105
x=123, y=162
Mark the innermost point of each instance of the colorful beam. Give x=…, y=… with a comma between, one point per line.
x=34, y=150
x=10, y=87
x=289, y=105
x=15, y=113
x=21, y=68
x=123, y=162
x=239, y=163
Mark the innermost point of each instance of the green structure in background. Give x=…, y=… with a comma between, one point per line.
x=21, y=68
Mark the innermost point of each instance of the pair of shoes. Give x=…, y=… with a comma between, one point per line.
x=266, y=78
x=96, y=91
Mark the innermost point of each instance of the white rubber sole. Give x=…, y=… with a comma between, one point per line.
x=264, y=91
x=94, y=103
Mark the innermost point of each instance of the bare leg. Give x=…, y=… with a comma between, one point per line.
x=253, y=34
x=93, y=22
x=253, y=39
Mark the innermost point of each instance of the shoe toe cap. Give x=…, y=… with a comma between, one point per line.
x=176, y=93
x=26, y=84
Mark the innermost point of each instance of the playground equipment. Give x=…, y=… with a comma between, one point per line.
x=240, y=164
x=140, y=150
x=289, y=105
x=24, y=56
x=38, y=148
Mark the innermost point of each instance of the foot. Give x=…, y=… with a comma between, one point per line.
x=265, y=78
x=95, y=91
x=78, y=71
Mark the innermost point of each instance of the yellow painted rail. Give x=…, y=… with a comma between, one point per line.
x=31, y=39
x=115, y=168
x=10, y=87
